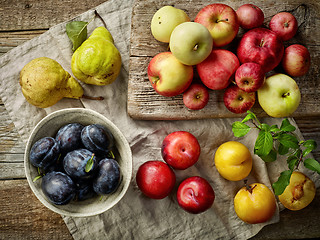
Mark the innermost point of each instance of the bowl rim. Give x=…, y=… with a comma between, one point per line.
x=35, y=190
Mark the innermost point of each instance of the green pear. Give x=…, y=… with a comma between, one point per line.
x=97, y=61
x=44, y=82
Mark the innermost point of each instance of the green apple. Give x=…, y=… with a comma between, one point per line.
x=191, y=43
x=165, y=20
x=279, y=96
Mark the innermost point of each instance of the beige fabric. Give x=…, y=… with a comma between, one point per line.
x=137, y=217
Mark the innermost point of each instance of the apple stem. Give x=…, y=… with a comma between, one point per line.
x=261, y=43
x=248, y=187
x=195, y=48
x=93, y=98
x=285, y=94
x=222, y=20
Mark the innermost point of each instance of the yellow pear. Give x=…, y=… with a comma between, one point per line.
x=44, y=82
x=97, y=61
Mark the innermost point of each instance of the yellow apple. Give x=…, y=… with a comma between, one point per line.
x=255, y=203
x=233, y=160
x=299, y=193
x=165, y=20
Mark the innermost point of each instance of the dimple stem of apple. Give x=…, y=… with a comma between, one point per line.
x=222, y=20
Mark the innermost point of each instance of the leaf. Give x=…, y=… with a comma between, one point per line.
x=292, y=162
x=240, y=129
x=282, y=150
x=288, y=140
x=306, y=152
x=111, y=155
x=274, y=129
x=77, y=33
x=271, y=157
x=250, y=116
x=312, y=164
x=265, y=127
x=311, y=144
x=89, y=164
x=283, y=181
x=36, y=178
x=286, y=126
x=264, y=143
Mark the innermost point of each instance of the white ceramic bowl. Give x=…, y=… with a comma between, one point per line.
x=49, y=126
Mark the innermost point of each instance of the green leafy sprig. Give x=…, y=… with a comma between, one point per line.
x=273, y=141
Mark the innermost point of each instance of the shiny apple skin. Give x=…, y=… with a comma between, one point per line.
x=284, y=24
x=296, y=60
x=250, y=16
x=180, y=150
x=155, y=179
x=250, y=77
x=195, y=195
x=237, y=100
x=262, y=46
x=217, y=70
x=196, y=96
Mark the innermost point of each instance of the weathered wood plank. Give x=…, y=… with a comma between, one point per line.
x=40, y=14
x=145, y=103
x=22, y=216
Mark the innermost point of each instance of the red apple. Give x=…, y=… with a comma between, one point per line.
x=195, y=195
x=221, y=21
x=250, y=16
x=155, y=179
x=180, y=149
x=249, y=77
x=168, y=76
x=217, y=70
x=262, y=46
x=196, y=96
x=237, y=100
x=296, y=60
x=284, y=24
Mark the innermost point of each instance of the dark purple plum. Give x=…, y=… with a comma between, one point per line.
x=44, y=152
x=58, y=187
x=97, y=139
x=84, y=190
x=69, y=137
x=108, y=177
x=75, y=163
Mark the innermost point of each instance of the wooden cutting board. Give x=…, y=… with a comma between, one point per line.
x=145, y=103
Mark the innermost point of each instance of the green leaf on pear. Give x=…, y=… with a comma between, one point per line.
x=77, y=33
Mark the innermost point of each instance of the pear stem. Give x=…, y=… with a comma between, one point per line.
x=92, y=98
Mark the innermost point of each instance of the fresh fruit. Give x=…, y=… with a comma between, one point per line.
x=58, y=187
x=44, y=152
x=279, y=96
x=155, y=179
x=196, y=96
x=262, y=46
x=84, y=190
x=44, y=82
x=190, y=49
x=97, y=61
x=195, y=195
x=180, y=149
x=97, y=139
x=217, y=70
x=296, y=60
x=233, y=160
x=299, y=193
x=168, y=76
x=255, y=203
x=237, y=100
x=80, y=164
x=108, y=177
x=221, y=21
x=69, y=137
x=284, y=24
x=249, y=77
x=250, y=16
x=165, y=20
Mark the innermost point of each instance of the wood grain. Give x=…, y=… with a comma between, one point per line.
x=22, y=216
x=145, y=103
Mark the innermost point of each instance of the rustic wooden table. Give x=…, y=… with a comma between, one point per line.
x=22, y=216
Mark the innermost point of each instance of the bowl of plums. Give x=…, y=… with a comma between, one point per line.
x=77, y=162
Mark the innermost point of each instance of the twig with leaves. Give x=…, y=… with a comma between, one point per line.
x=272, y=141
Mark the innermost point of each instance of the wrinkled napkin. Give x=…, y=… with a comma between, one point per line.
x=136, y=216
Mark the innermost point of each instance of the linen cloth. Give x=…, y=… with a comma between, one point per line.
x=136, y=216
